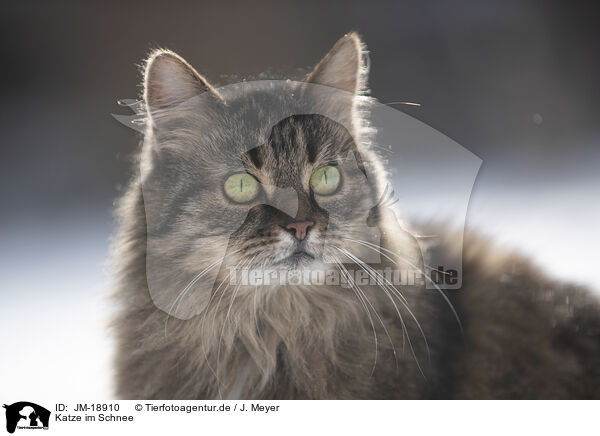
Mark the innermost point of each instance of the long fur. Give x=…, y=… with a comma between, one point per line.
x=522, y=335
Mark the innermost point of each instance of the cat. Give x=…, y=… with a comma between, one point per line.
x=509, y=332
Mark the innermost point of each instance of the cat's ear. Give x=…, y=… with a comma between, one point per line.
x=169, y=80
x=344, y=67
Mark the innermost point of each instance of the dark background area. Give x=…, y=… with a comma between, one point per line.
x=480, y=70
x=517, y=83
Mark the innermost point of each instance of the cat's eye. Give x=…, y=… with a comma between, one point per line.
x=325, y=180
x=241, y=187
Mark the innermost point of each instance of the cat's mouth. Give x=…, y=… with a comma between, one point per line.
x=297, y=258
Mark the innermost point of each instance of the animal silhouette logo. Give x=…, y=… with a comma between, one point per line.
x=26, y=415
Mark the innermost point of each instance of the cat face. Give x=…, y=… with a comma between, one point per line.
x=309, y=167
x=254, y=176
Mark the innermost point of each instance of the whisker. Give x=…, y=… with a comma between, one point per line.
x=392, y=288
x=255, y=314
x=227, y=278
x=356, y=228
x=383, y=195
x=192, y=283
x=233, y=296
x=339, y=265
x=212, y=328
x=368, y=270
x=359, y=290
x=407, y=103
x=446, y=299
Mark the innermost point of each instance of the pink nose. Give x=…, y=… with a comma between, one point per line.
x=301, y=228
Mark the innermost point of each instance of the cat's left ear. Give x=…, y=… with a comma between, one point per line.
x=169, y=80
x=345, y=67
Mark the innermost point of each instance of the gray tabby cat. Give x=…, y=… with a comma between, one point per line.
x=522, y=335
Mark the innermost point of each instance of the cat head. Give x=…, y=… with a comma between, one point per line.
x=259, y=175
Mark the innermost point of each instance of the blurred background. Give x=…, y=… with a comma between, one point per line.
x=516, y=83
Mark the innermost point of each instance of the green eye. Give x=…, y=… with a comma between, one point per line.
x=241, y=187
x=325, y=180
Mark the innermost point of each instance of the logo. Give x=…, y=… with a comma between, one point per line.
x=26, y=415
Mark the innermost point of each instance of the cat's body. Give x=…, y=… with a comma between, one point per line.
x=522, y=335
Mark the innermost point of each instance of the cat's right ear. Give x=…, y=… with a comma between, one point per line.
x=169, y=80
x=345, y=67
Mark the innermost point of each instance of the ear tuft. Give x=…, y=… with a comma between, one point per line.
x=170, y=80
x=344, y=67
